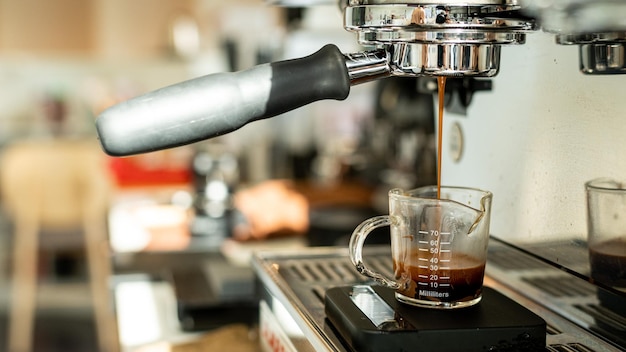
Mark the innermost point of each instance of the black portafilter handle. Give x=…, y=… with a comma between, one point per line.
x=217, y=104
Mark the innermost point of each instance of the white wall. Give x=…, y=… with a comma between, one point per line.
x=543, y=131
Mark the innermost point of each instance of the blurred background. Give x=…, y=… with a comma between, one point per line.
x=80, y=232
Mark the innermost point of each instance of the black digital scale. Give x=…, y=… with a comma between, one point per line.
x=369, y=318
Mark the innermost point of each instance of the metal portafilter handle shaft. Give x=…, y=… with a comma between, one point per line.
x=217, y=104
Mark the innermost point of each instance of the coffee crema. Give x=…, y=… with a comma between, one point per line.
x=608, y=262
x=460, y=279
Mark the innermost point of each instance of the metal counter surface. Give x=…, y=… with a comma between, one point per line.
x=298, y=280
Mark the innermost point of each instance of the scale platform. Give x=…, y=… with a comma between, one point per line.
x=369, y=318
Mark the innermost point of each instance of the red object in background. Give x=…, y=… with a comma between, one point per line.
x=143, y=171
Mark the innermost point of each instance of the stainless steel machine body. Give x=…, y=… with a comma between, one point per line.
x=444, y=39
x=450, y=38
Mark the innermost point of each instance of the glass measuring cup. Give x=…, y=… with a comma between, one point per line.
x=438, y=246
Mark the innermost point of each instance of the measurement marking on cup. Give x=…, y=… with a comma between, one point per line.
x=423, y=283
x=445, y=268
x=446, y=243
x=445, y=260
x=444, y=285
x=445, y=277
x=445, y=251
x=422, y=242
x=423, y=276
x=423, y=232
x=423, y=266
x=423, y=259
x=423, y=249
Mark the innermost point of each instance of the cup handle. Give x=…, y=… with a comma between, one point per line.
x=357, y=240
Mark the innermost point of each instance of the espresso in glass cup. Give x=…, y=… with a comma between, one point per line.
x=438, y=245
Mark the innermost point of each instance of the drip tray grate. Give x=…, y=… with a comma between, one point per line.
x=331, y=271
x=570, y=347
x=561, y=286
x=542, y=288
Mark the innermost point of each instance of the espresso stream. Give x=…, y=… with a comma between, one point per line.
x=464, y=274
x=441, y=86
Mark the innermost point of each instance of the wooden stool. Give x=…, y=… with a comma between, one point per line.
x=56, y=185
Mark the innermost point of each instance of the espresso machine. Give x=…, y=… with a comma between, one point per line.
x=548, y=118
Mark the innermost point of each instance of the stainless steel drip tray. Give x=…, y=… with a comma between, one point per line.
x=296, y=282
